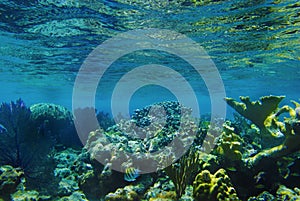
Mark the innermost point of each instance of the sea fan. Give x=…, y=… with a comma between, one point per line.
x=21, y=145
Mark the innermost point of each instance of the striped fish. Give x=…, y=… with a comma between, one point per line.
x=131, y=174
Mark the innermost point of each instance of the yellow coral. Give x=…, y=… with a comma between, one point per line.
x=229, y=144
x=213, y=187
x=123, y=194
x=166, y=196
x=256, y=111
x=291, y=130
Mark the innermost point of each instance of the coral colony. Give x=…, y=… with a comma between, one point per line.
x=256, y=156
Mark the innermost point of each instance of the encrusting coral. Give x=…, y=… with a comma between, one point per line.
x=123, y=194
x=230, y=145
x=10, y=178
x=76, y=175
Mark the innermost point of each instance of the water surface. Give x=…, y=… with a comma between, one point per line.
x=254, y=44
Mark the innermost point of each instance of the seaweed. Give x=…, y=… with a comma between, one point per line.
x=183, y=171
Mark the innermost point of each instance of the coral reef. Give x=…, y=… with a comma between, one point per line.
x=123, y=194
x=74, y=171
x=213, y=187
x=12, y=186
x=166, y=196
x=243, y=168
x=264, y=196
x=137, y=138
x=77, y=195
x=284, y=193
x=267, y=166
x=57, y=122
x=257, y=111
x=290, y=128
x=182, y=171
x=266, y=116
x=65, y=161
x=10, y=178
x=22, y=145
x=230, y=145
x=32, y=195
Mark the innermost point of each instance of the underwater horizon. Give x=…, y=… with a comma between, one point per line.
x=149, y=100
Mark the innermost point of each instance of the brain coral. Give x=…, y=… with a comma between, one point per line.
x=213, y=187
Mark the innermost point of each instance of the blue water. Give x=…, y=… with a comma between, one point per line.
x=254, y=45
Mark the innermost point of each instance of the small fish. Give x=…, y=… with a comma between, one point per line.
x=2, y=129
x=260, y=186
x=131, y=174
x=232, y=169
x=295, y=174
x=289, y=161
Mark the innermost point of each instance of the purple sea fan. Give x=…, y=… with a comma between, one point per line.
x=20, y=144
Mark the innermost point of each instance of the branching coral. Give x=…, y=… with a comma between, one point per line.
x=291, y=130
x=257, y=111
x=260, y=168
x=265, y=115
